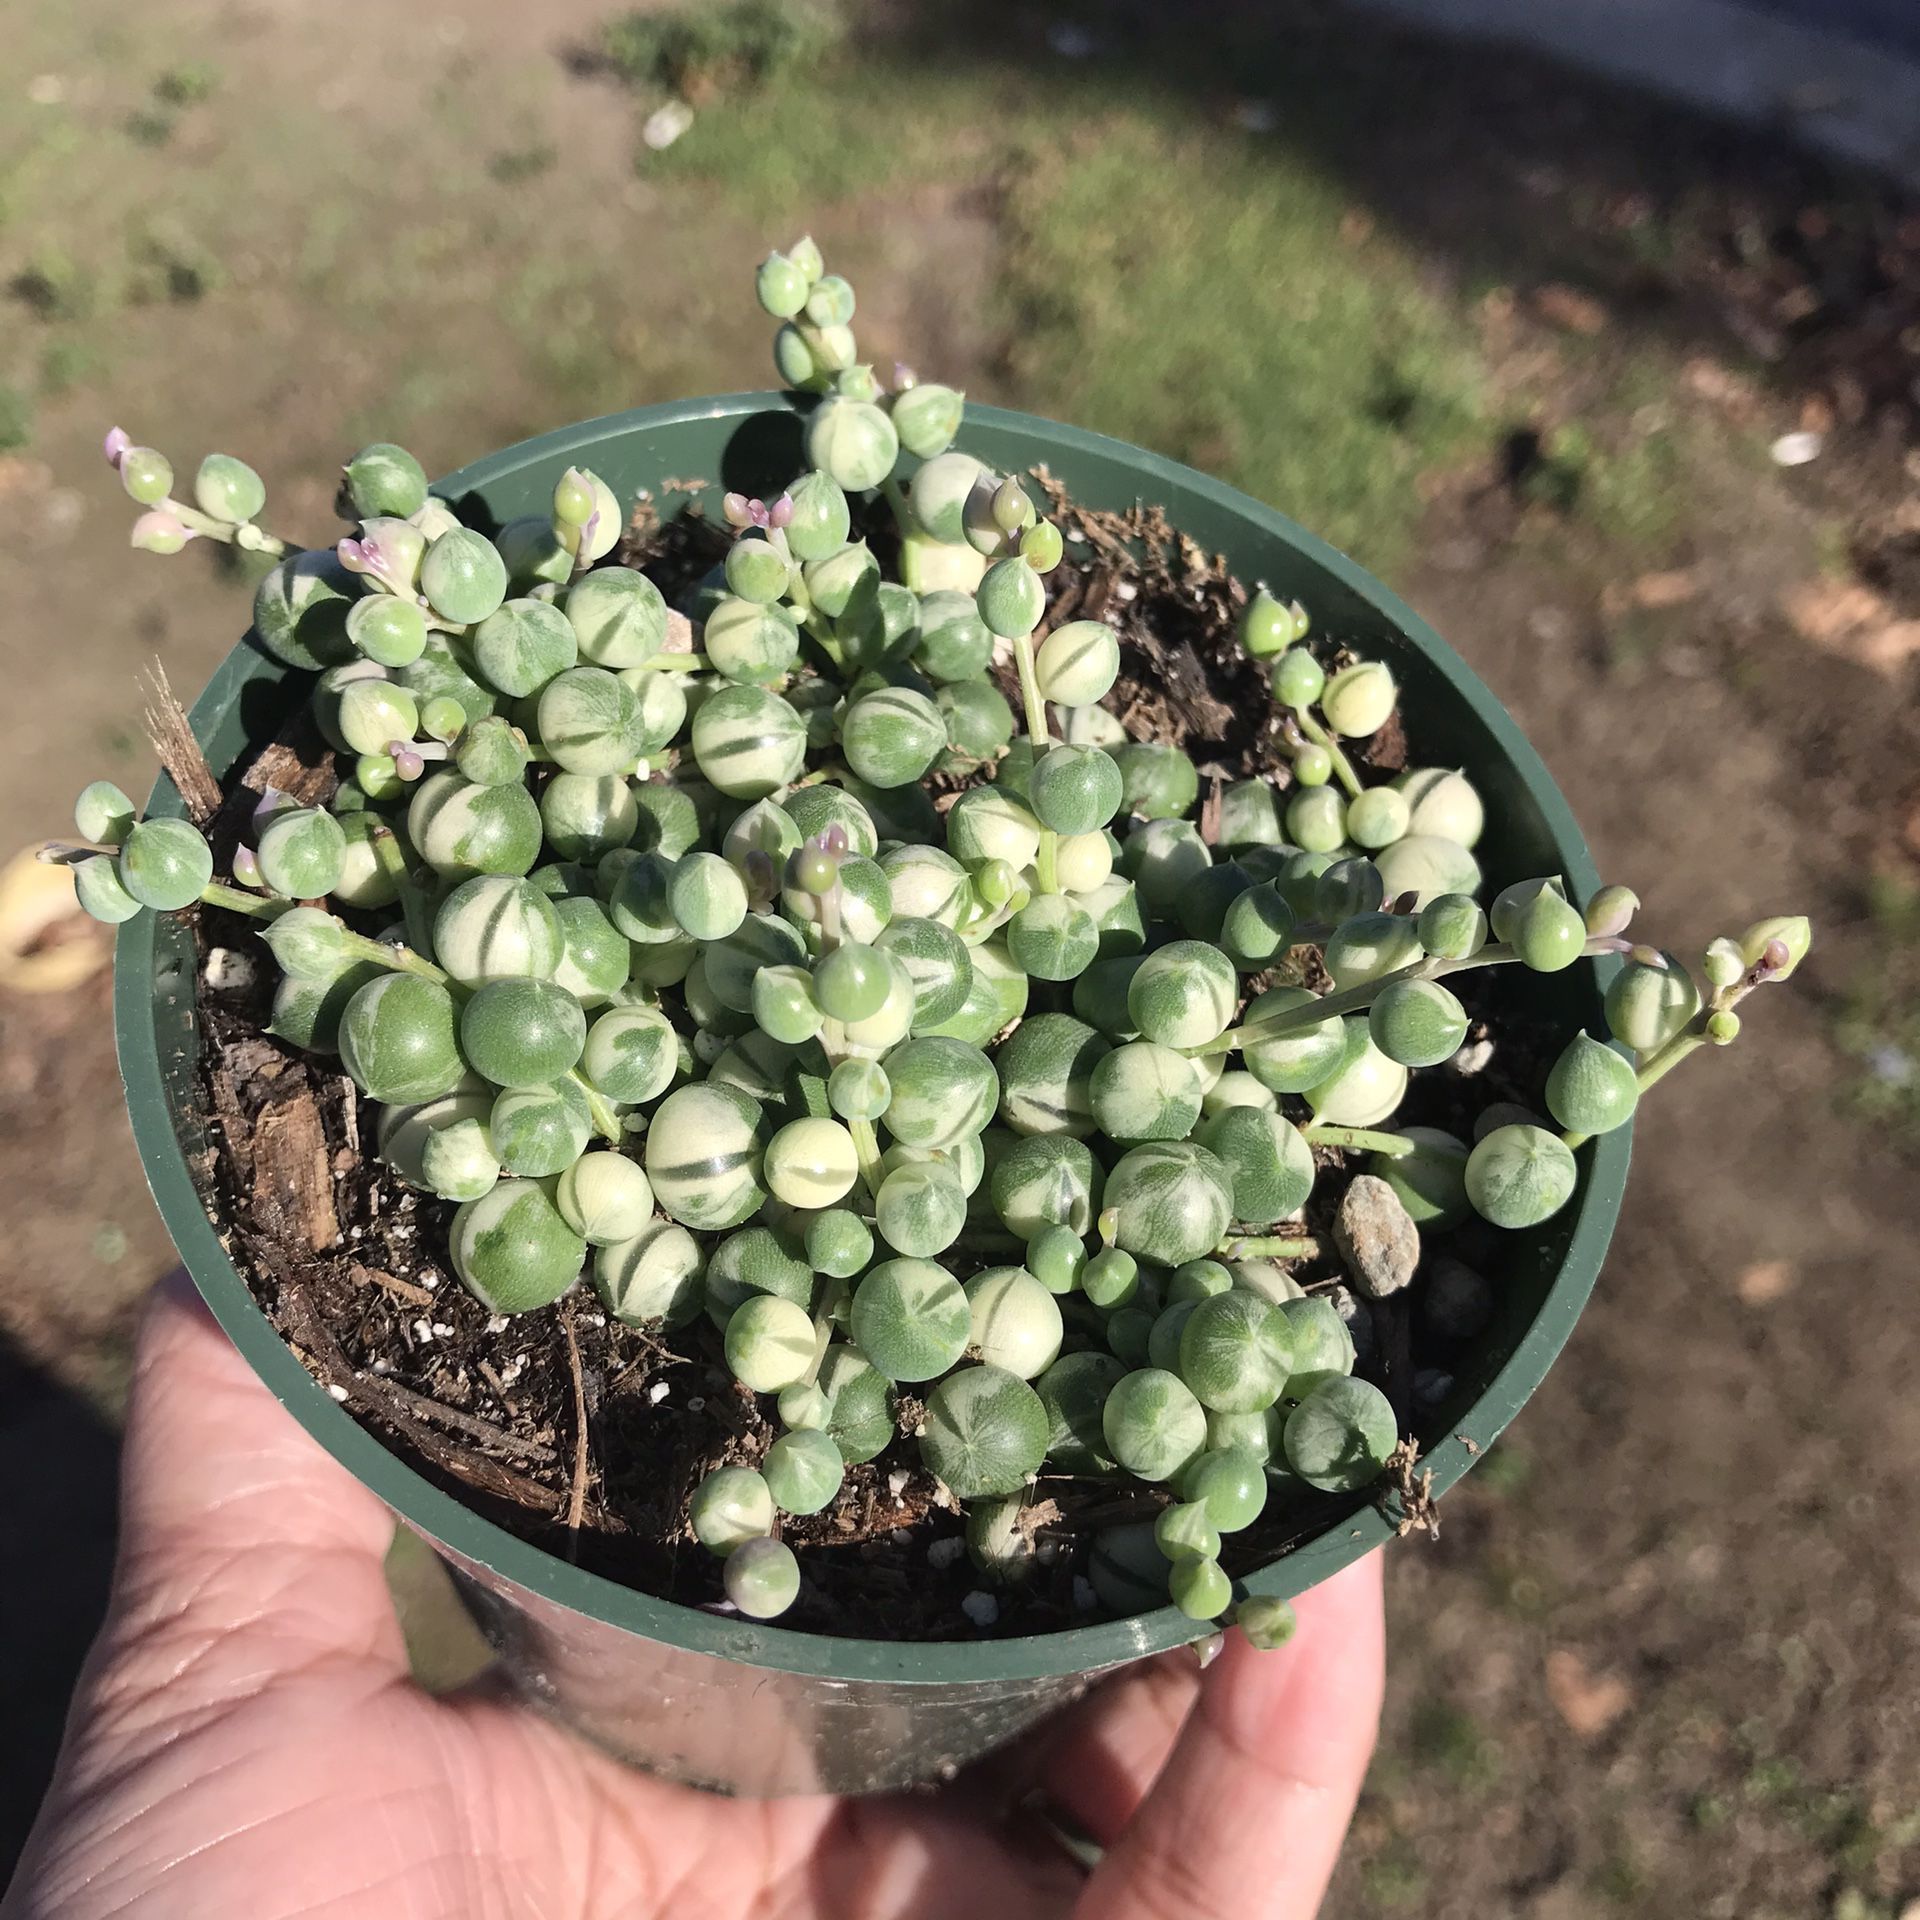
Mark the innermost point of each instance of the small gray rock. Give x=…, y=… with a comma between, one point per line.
x=1376, y=1237
x=1458, y=1302
x=1431, y=1389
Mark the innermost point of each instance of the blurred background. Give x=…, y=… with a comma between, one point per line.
x=1621, y=394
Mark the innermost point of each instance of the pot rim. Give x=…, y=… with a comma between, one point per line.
x=471, y=1537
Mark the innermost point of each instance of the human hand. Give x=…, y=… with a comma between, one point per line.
x=246, y=1741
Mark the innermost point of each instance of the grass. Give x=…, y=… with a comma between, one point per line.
x=856, y=128
x=1233, y=347
x=16, y=418
x=1878, y=1024
x=705, y=49
x=1315, y=373
x=1448, y=1739
x=1396, y=1878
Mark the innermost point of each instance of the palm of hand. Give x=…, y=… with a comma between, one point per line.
x=246, y=1741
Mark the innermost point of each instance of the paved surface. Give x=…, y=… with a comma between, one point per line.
x=1833, y=71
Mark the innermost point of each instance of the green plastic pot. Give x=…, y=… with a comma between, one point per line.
x=757, y=1709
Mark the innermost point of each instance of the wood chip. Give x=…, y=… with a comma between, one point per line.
x=1765, y=1282
x=1568, y=308
x=172, y=736
x=577, y=1498
x=390, y=1283
x=292, y=1173
x=1850, y=620
x=470, y=1424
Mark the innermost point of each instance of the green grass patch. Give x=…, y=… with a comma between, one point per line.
x=1448, y=1739
x=859, y=127
x=16, y=418
x=705, y=48
x=1878, y=1025
x=1248, y=338
x=189, y=84
x=1396, y=1878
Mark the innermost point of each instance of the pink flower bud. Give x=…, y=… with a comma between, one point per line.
x=406, y=763
x=115, y=445
x=781, y=512
x=834, y=840
x=159, y=533
x=246, y=869
x=353, y=556
x=736, y=510
x=1776, y=957
x=272, y=800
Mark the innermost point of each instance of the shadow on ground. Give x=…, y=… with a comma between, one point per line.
x=1517, y=172
x=57, y=1500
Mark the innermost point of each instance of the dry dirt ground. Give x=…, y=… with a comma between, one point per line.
x=1665, y=1657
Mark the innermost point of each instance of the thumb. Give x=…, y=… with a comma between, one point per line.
x=231, y=1519
x=1249, y=1813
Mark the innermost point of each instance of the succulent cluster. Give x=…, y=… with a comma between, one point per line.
x=644, y=930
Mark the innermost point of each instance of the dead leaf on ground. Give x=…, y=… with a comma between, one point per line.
x=1670, y=589
x=1588, y=1702
x=1652, y=592
x=1851, y=621
x=1568, y=307
x=1709, y=380
x=1765, y=1282
x=47, y=944
x=23, y=479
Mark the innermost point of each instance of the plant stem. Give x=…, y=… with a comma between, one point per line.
x=244, y=535
x=1356, y=999
x=1270, y=1247
x=1342, y=766
x=831, y=1298
x=902, y=512
x=606, y=1116
x=1299, y=1019
x=1038, y=732
x=1047, y=861
x=1394, y=1146
x=866, y=1148
x=1030, y=694
x=413, y=903
x=236, y=900
x=832, y=771
x=353, y=945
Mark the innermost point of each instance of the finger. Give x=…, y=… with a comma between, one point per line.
x=231, y=1518
x=1249, y=1814
x=1098, y=1765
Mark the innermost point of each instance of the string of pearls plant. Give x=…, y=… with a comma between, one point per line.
x=661, y=963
